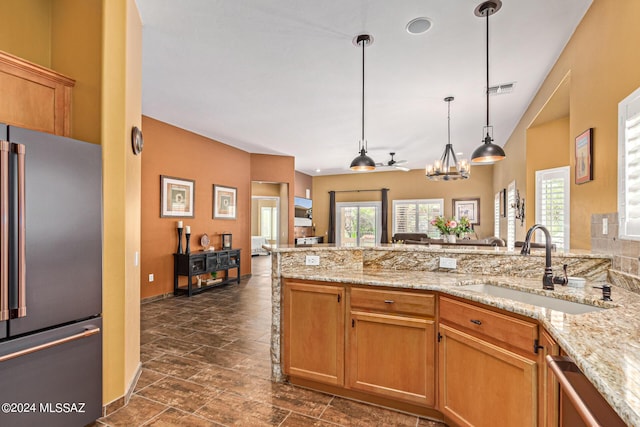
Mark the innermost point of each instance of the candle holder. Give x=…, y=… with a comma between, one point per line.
x=188, y=250
x=180, y=240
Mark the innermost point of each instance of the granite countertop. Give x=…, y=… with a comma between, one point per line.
x=604, y=344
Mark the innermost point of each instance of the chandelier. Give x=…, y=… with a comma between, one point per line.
x=448, y=168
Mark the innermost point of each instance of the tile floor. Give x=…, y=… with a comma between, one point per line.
x=205, y=362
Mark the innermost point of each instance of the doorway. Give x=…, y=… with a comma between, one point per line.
x=358, y=223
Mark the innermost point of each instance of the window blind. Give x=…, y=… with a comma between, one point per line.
x=552, y=205
x=414, y=216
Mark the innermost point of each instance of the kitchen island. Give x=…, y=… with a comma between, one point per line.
x=604, y=344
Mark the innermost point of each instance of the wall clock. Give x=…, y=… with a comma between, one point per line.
x=137, y=141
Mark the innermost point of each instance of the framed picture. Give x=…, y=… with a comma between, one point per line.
x=176, y=197
x=469, y=208
x=224, y=202
x=584, y=156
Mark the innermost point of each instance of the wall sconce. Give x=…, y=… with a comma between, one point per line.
x=226, y=241
x=519, y=207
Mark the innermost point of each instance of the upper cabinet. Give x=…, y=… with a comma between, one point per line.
x=34, y=97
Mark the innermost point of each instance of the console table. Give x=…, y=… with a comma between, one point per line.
x=202, y=262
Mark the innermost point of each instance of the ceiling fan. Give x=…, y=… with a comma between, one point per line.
x=396, y=164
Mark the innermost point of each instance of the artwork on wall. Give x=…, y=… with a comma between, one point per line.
x=176, y=197
x=224, y=202
x=469, y=208
x=584, y=157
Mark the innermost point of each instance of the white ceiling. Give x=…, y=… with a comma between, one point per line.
x=283, y=76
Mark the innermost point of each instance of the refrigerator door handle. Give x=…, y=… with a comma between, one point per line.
x=4, y=230
x=84, y=334
x=20, y=150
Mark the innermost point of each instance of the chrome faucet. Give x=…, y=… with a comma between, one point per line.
x=548, y=280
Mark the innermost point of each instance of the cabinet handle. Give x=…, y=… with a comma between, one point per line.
x=476, y=322
x=389, y=301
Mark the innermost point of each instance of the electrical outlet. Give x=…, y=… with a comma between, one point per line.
x=447, y=262
x=151, y=278
x=312, y=260
x=605, y=226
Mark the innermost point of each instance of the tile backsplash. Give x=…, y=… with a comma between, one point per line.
x=625, y=270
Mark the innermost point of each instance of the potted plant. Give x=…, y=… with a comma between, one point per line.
x=451, y=227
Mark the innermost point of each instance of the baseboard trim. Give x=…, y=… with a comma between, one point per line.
x=122, y=401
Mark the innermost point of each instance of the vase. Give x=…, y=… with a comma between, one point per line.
x=449, y=238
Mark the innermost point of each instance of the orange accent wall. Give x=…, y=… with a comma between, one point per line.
x=175, y=152
x=303, y=181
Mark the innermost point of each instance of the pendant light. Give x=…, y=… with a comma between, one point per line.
x=448, y=168
x=363, y=162
x=488, y=152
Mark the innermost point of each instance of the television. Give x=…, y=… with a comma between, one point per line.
x=302, y=207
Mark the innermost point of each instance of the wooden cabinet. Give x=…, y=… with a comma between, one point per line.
x=34, y=97
x=392, y=344
x=548, y=387
x=487, y=367
x=313, y=327
x=203, y=262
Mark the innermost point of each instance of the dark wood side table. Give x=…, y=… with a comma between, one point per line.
x=202, y=262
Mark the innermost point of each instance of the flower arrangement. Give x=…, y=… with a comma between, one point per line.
x=452, y=225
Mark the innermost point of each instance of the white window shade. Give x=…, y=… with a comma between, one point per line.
x=414, y=216
x=552, y=205
x=496, y=215
x=511, y=216
x=629, y=166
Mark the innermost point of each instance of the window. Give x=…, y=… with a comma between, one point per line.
x=414, y=216
x=358, y=223
x=629, y=166
x=511, y=216
x=496, y=215
x=269, y=222
x=552, y=205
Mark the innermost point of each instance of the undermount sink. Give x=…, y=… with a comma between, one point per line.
x=569, y=307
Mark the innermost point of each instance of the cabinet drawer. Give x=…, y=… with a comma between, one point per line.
x=393, y=301
x=510, y=330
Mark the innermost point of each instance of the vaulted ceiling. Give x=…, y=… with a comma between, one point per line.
x=284, y=76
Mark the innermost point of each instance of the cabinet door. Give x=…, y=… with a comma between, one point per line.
x=392, y=356
x=548, y=387
x=484, y=385
x=313, y=324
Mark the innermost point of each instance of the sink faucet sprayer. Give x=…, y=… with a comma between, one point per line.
x=548, y=279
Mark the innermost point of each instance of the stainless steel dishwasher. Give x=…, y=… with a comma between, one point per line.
x=580, y=403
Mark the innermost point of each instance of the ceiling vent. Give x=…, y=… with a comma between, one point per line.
x=502, y=89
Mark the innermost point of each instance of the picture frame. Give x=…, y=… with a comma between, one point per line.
x=584, y=157
x=224, y=202
x=226, y=240
x=469, y=208
x=177, y=197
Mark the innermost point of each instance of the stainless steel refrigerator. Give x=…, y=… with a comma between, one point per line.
x=50, y=279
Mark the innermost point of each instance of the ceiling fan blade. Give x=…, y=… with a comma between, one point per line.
x=402, y=168
x=400, y=162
